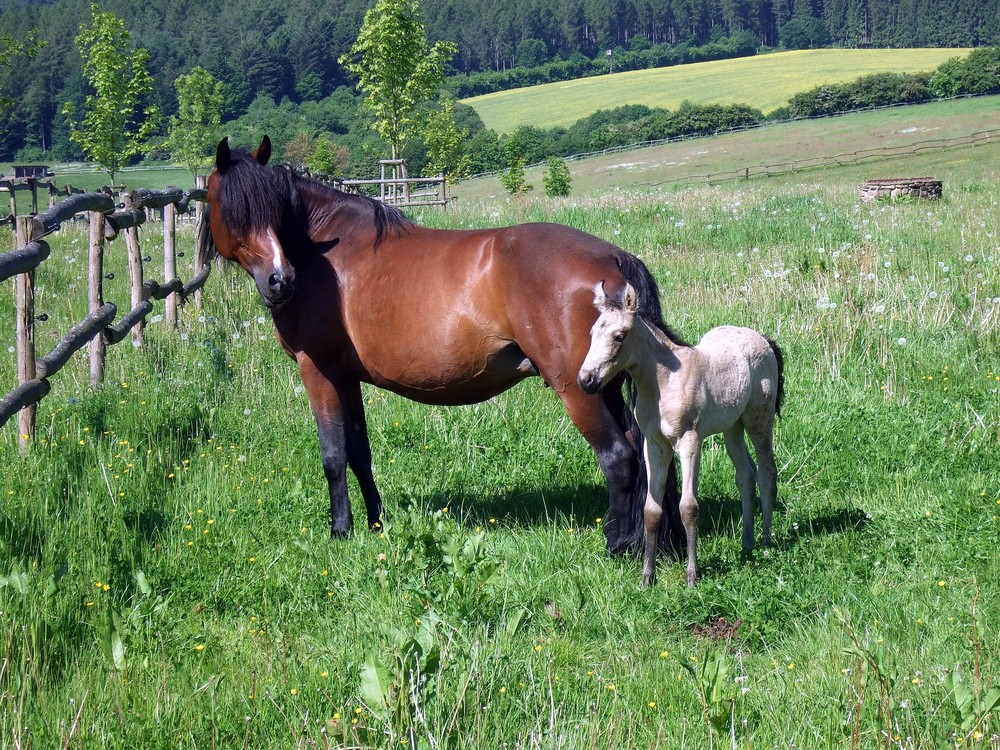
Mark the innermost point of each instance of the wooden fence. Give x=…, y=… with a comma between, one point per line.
x=107, y=220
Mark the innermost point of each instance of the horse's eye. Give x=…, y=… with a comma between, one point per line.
x=619, y=337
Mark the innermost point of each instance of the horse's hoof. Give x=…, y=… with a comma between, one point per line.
x=340, y=533
x=648, y=581
x=692, y=578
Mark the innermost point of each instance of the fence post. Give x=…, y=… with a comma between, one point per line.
x=170, y=261
x=25, y=294
x=135, y=272
x=95, y=294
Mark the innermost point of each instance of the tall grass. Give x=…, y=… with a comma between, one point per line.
x=168, y=580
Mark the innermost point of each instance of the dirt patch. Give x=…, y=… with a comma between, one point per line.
x=718, y=628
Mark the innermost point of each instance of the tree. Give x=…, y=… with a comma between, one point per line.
x=395, y=68
x=444, y=142
x=557, y=179
x=117, y=121
x=194, y=130
x=10, y=49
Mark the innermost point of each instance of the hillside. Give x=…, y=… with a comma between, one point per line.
x=764, y=81
x=920, y=127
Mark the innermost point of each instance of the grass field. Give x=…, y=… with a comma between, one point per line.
x=167, y=580
x=765, y=82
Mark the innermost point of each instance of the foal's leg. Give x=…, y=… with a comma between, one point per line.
x=689, y=450
x=746, y=474
x=659, y=459
x=767, y=474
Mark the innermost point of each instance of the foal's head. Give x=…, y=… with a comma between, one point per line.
x=608, y=354
x=254, y=214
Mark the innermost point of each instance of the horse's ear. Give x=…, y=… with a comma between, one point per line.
x=223, y=156
x=263, y=152
x=630, y=298
x=600, y=296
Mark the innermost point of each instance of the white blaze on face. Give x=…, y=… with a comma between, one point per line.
x=278, y=258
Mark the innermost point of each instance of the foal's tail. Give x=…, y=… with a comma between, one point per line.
x=781, y=375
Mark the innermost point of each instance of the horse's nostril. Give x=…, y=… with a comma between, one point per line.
x=274, y=281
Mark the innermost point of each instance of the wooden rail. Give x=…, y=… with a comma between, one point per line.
x=108, y=219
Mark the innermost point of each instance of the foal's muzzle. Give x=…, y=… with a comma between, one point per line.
x=589, y=382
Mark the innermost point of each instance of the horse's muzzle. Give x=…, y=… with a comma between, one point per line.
x=279, y=289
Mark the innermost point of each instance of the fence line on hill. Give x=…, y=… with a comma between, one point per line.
x=625, y=148
x=840, y=160
x=107, y=220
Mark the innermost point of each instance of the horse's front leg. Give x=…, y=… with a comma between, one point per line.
x=359, y=452
x=328, y=409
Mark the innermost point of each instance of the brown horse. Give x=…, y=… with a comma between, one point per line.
x=358, y=293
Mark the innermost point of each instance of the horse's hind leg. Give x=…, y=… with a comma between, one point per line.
x=746, y=474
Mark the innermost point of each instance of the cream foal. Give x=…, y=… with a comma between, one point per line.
x=731, y=382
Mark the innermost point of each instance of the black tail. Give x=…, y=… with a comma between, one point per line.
x=781, y=375
x=627, y=534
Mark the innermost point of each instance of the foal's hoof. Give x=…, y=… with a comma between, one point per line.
x=648, y=580
x=692, y=577
x=340, y=533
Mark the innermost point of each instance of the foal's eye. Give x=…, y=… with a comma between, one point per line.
x=619, y=337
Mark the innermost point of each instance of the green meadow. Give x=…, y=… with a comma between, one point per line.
x=167, y=580
x=765, y=82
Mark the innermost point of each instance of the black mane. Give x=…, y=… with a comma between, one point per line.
x=250, y=196
x=648, y=293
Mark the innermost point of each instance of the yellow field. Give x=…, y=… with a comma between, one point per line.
x=765, y=82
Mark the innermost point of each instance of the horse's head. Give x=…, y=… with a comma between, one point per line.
x=252, y=207
x=608, y=337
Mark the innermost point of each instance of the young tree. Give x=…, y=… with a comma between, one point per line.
x=444, y=141
x=395, y=69
x=557, y=179
x=194, y=130
x=117, y=121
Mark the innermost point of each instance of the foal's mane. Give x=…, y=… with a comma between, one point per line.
x=648, y=295
x=250, y=196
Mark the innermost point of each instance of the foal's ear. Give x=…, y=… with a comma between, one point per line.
x=263, y=151
x=223, y=155
x=630, y=298
x=600, y=296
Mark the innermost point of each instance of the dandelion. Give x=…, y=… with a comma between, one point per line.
x=791, y=666
x=294, y=691
x=901, y=341
x=942, y=584
x=200, y=647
